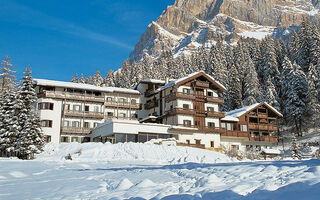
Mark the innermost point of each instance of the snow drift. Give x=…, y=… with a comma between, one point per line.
x=92, y=152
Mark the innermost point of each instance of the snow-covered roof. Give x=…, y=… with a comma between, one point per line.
x=241, y=111
x=45, y=82
x=175, y=82
x=230, y=118
x=153, y=81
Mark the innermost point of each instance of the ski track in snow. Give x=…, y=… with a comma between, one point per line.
x=147, y=179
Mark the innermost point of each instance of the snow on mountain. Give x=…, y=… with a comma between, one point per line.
x=190, y=24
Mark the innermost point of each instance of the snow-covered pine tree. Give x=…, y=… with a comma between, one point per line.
x=81, y=79
x=7, y=76
x=97, y=78
x=235, y=90
x=9, y=122
x=218, y=63
x=286, y=79
x=30, y=138
x=293, y=46
x=75, y=78
x=251, y=92
x=88, y=80
x=313, y=105
x=271, y=94
x=109, y=79
x=295, y=152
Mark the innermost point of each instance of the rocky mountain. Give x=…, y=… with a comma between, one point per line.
x=190, y=24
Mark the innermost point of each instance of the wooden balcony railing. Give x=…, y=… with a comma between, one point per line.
x=87, y=114
x=206, y=129
x=122, y=104
x=201, y=84
x=76, y=130
x=149, y=93
x=235, y=134
x=179, y=95
x=71, y=96
x=266, y=127
x=215, y=114
x=214, y=100
x=264, y=138
x=151, y=104
x=183, y=111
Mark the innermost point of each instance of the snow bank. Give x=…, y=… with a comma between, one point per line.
x=93, y=152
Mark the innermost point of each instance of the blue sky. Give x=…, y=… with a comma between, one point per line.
x=58, y=38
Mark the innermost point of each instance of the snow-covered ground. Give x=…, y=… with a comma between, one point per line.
x=147, y=171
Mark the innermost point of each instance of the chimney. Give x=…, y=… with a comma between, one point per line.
x=167, y=80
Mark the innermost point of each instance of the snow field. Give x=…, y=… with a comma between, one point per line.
x=133, y=171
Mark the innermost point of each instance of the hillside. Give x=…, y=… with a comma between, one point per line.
x=190, y=24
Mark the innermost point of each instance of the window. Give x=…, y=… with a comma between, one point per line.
x=86, y=125
x=228, y=126
x=95, y=124
x=143, y=138
x=86, y=108
x=64, y=139
x=186, y=91
x=75, y=124
x=74, y=139
x=196, y=123
x=244, y=128
x=66, y=123
x=186, y=106
x=210, y=109
x=235, y=147
x=122, y=100
x=133, y=101
x=131, y=138
x=110, y=114
x=109, y=99
x=187, y=122
x=211, y=124
x=96, y=109
x=67, y=107
x=122, y=115
x=223, y=125
x=234, y=127
x=212, y=144
x=197, y=141
x=47, y=138
x=45, y=106
x=163, y=136
x=76, y=107
x=188, y=141
x=210, y=94
x=46, y=123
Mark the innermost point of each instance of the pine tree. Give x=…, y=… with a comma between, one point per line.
x=271, y=94
x=109, y=79
x=7, y=76
x=218, y=64
x=235, y=90
x=30, y=138
x=313, y=105
x=97, y=78
x=75, y=78
x=89, y=80
x=251, y=85
x=295, y=152
x=82, y=80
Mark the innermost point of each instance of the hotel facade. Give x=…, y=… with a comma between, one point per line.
x=187, y=109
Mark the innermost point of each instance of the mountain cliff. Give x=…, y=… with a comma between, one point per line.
x=190, y=24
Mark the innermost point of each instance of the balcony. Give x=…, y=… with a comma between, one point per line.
x=214, y=99
x=266, y=127
x=87, y=114
x=151, y=104
x=264, y=138
x=215, y=114
x=122, y=105
x=204, y=129
x=71, y=96
x=76, y=130
x=179, y=95
x=182, y=111
x=202, y=84
x=235, y=134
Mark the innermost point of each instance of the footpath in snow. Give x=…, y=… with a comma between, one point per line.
x=147, y=171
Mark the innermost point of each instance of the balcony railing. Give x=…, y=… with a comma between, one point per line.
x=235, y=134
x=151, y=104
x=122, y=104
x=76, y=130
x=264, y=138
x=71, y=96
x=215, y=114
x=266, y=127
x=214, y=99
x=149, y=93
x=206, y=129
x=183, y=111
x=87, y=114
x=179, y=95
x=203, y=84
